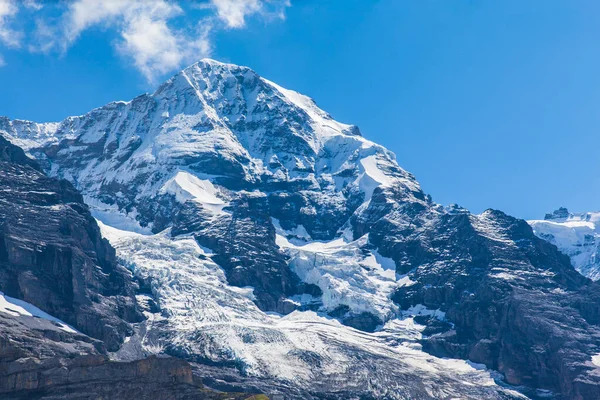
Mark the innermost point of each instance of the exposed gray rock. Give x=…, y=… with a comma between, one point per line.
x=96, y=377
x=53, y=256
x=515, y=302
x=559, y=213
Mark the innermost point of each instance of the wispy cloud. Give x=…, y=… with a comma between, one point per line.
x=234, y=12
x=8, y=36
x=146, y=36
x=33, y=5
x=157, y=36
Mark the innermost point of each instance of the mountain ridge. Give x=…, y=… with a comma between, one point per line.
x=223, y=185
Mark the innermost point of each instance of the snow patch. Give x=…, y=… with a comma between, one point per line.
x=421, y=310
x=15, y=307
x=405, y=280
x=185, y=186
x=371, y=176
x=110, y=215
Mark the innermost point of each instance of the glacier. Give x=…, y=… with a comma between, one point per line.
x=299, y=354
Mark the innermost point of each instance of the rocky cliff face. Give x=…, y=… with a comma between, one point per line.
x=96, y=377
x=230, y=197
x=514, y=302
x=53, y=256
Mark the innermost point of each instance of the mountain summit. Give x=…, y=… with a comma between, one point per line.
x=278, y=249
x=576, y=235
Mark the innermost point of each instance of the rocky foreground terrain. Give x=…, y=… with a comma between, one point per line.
x=242, y=229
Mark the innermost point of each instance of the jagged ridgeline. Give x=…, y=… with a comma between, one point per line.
x=280, y=251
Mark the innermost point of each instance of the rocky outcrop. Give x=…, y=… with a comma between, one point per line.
x=243, y=240
x=560, y=213
x=513, y=301
x=53, y=256
x=96, y=377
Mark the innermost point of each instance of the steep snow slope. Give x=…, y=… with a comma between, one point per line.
x=270, y=239
x=576, y=235
x=17, y=308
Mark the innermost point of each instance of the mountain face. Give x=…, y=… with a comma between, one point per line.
x=576, y=235
x=53, y=256
x=272, y=153
x=280, y=251
x=55, y=263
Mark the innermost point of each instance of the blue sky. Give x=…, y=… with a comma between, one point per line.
x=489, y=103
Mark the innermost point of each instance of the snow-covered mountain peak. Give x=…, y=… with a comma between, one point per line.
x=219, y=122
x=239, y=94
x=269, y=238
x=576, y=235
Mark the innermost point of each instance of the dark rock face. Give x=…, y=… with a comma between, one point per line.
x=244, y=246
x=25, y=337
x=53, y=256
x=364, y=321
x=95, y=376
x=515, y=303
x=560, y=213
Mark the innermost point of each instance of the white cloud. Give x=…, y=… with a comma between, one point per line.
x=8, y=36
x=234, y=12
x=32, y=5
x=156, y=35
x=146, y=37
x=156, y=49
x=83, y=14
x=8, y=9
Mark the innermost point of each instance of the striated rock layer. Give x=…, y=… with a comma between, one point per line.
x=53, y=256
